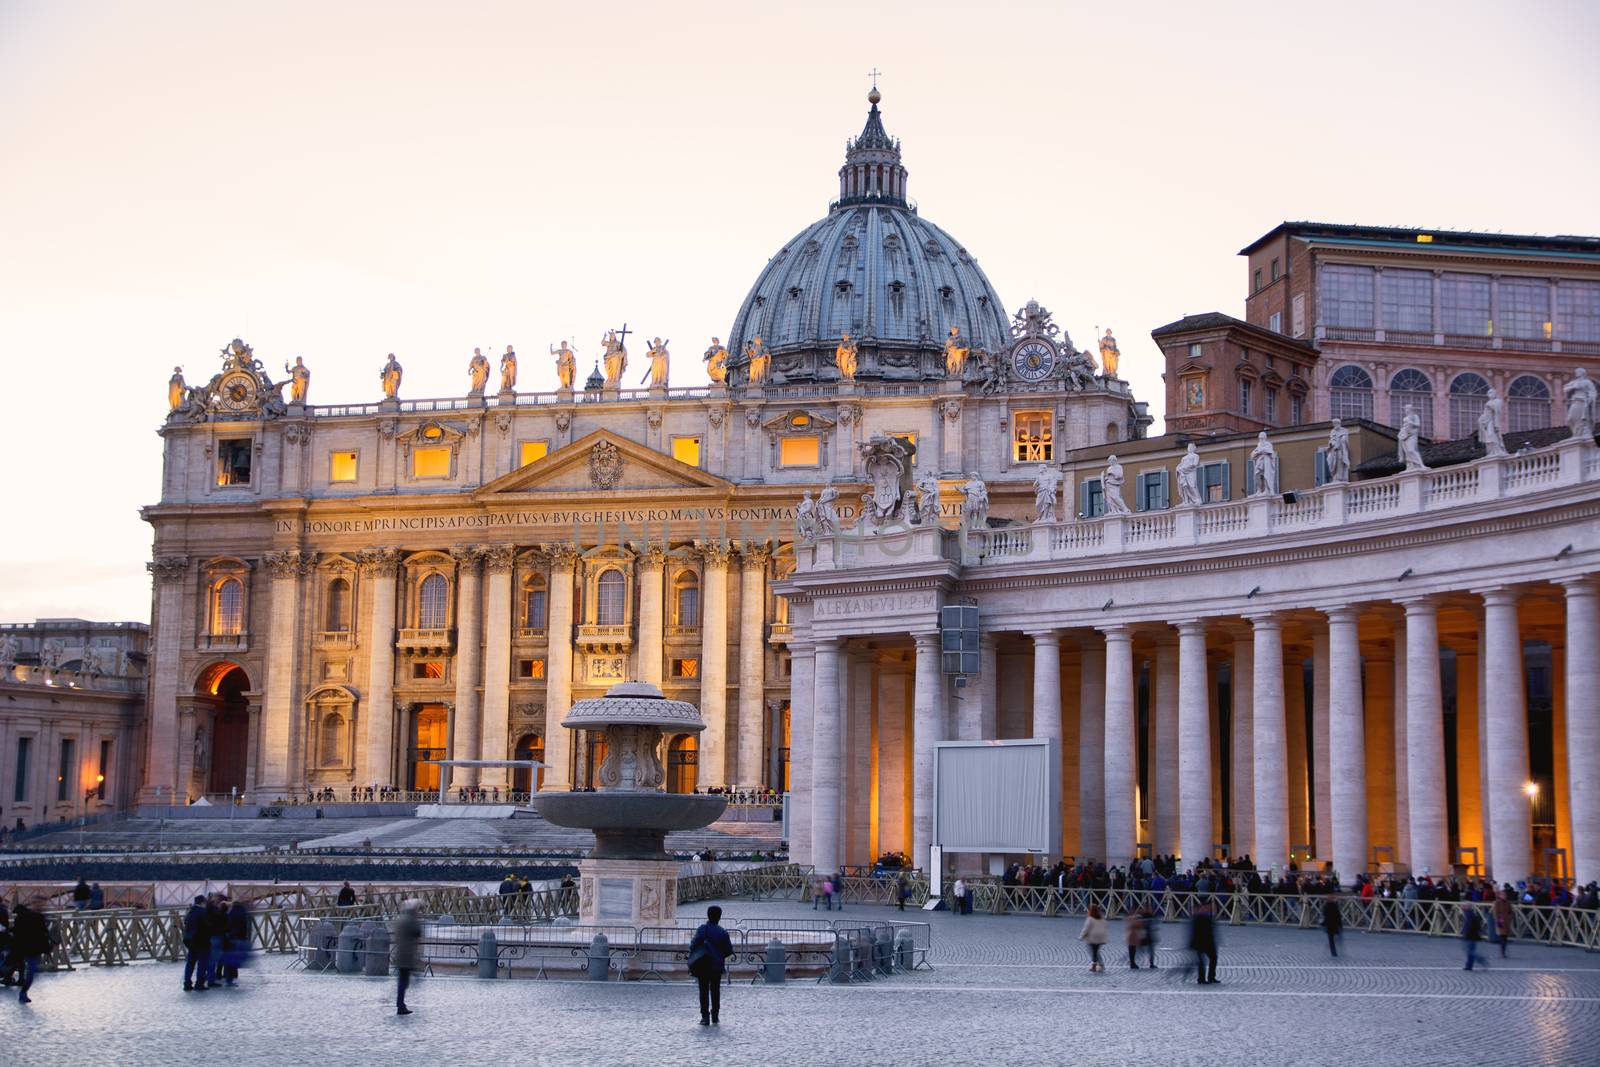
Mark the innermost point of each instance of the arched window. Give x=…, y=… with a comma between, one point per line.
x=609, y=593
x=338, y=606
x=227, y=607
x=332, y=739
x=533, y=603
x=1411, y=386
x=686, y=599
x=1467, y=395
x=433, y=603
x=1528, y=404
x=683, y=764
x=1350, y=394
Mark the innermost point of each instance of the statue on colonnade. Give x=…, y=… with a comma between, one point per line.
x=1580, y=393
x=508, y=370
x=390, y=376
x=1263, y=467
x=716, y=361
x=1111, y=487
x=1046, y=485
x=566, y=365
x=1189, y=477
x=1489, y=426
x=1336, y=460
x=477, y=373
x=299, y=380
x=1410, y=441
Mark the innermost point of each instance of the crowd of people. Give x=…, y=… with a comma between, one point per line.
x=216, y=940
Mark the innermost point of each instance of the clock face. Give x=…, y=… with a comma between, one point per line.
x=237, y=392
x=1033, y=360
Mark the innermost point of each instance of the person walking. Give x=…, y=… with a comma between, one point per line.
x=1133, y=934
x=901, y=892
x=958, y=893
x=236, y=941
x=1502, y=919
x=407, y=933
x=1472, y=933
x=197, y=943
x=30, y=939
x=1333, y=924
x=1152, y=933
x=1094, y=935
x=1203, y=943
x=709, y=950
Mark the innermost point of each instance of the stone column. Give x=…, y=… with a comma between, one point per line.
x=1242, y=753
x=1510, y=823
x=1582, y=686
x=1322, y=793
x=652, y=584
x=927, y=728
x=285, y=569
x=1378, y=709
x=558, y=669
x=1402, y=762
x=1347, y=765
x=895, y=703
x=467, y=722
x=1120, y=746
x=1271, y=745
x=1195, y=831
x=1469, y=794
x=252, y=749
x=1430, y=843
x=380, y=567
x=775, y=744
x=1047, y=689
x=752, y=658
x=825, y=733
x=802, y=692
x=1164, y=775
x=858, y=756
x=494, y=740
x=714, y=663
x=1294, y=715
x=161, y=735
x=988, y=687
x=1091, y=751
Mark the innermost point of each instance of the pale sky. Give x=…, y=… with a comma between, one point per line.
x=341, y=180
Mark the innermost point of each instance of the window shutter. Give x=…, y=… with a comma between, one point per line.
x=1321, y=466
x=1166, y=488
x=1143, y=488
x=1227, y=480
x=1083, y=499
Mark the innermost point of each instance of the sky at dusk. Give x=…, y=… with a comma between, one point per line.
x=337, y=181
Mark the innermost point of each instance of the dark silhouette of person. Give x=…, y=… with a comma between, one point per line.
x=1203, y=942
x=407, y=933
x=197, y=942
x=1333, y=923
x=709, y=950
x=30, y=939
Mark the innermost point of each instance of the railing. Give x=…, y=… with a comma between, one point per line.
x=789, y=881
x=1306, y=509
x=1372, y=499
x=1459, y=483
x=1008, y=543
x=1151, y=529
x=1077, y=537
x=1226, y=519
x=1537, y=468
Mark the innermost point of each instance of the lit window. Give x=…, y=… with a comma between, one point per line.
x=686, y=450
x=338, y=606
x=430, y=463
x=227, y=607
x=533, y=602
x=799, y=422
x=533, y=451
x=685, y=668
x=909, y=440
x=341, y=466
x=531, y=668
x=610, y=592
x=433, y=603
x=1031, y=437
x=429, y=669
x=800, y=452
x=233, y=462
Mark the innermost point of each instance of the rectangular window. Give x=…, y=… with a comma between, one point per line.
x=233, y=462
x=1297, y=410
x=430, y=463
x=1031, y=437
x=341, y=466
x=105, y=770
x=1297, y=314
x=1269, y=405
x=533, y=608
x=1347, y=296
x=1275, y=322
x=686, y=668
x=531, y=668
x=1214, y=486
x=1464, y=305
x=19, y=792
x=800, y=452
x=1152, y=490
x=1244, y=396
x=1408, y=301
x=1092, y=499
x=531, y=452
x=1255, y=280
x=686, y=450
x=1525, y=308
x=428, y=669
x=1195, y=348
x=1320, y=467
x=1578, y=311
x=67, y=776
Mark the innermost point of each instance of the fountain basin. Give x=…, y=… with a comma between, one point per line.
x=630, y=825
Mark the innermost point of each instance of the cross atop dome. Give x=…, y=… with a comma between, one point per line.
x=872, y=171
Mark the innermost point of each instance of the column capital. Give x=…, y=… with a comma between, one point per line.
x=562, y=556
x=168, y=568
x=1421, y=604
x=1580, y=585
x=1195, y=627
x=652, y=557
x=714, y=553
x=289, y=563
x=1499, y=595
x=1342, y=613
x=828, y=644
x=1119, y=631
x=468, y=557
x=754, y=554
x=927, y=640
x=1045, y=637
x=499, y=559
x=1266, y=620
x=383, y=562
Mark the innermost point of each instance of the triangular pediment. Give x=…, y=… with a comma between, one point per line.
x=603, y=462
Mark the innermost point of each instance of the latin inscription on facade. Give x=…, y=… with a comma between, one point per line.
x=885, y=604
x=756, y=515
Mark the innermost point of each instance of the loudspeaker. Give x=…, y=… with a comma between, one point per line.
x=1289, y=498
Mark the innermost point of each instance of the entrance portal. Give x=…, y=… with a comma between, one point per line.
x=230, y=732
x=428, y=728
x=683, y=764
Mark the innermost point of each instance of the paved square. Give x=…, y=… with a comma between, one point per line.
x=1006, y=989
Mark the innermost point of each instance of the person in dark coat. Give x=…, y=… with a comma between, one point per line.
x=217, y=931
x=97, y=897
x=1203, y=942
x=407, y=933
x=1333, y=924
x=1472, y=933
x=197, y=943
x=30, y=939
x=709, y=950
x=6, y=966
x=347, y=896
x=236, y=941
x=80, y=895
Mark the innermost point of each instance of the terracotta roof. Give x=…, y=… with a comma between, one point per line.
x=1216, y=320
x=1463, y=450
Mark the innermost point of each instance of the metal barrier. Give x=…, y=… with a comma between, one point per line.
x=787, y=881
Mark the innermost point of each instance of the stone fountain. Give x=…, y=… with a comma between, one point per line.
x=628, y=877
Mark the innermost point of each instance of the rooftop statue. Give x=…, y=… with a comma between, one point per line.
x=805, y=520
x=1046, y=485
x=177, y=391
x=827, y=512
x=955, y=354
x=508, y=370
x=927, y=506
x=845, y=357
x=1109, y=354
x=975, y=503
x=477, y=373
x=716, y=361
x=390, y=376
x=1410, y=440
x=299, y=380
x=758, y=359
x=615, y=358
x=1111, y=487
x=1489, y=426
x=659, y=361
x=1189, y=478
x=1033, y=320
x=1263, y=467
x=1580, y=394
x=1337, y=457
x=566, y=365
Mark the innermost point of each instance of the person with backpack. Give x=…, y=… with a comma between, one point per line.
x=709, y=950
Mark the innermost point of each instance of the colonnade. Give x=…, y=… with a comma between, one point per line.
x=1371, y=767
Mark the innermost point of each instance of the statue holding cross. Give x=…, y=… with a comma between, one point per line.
x=616, y=355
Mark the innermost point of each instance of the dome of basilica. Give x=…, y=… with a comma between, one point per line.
x=875, y=269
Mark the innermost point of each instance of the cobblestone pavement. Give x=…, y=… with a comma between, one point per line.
x=1003, y=990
